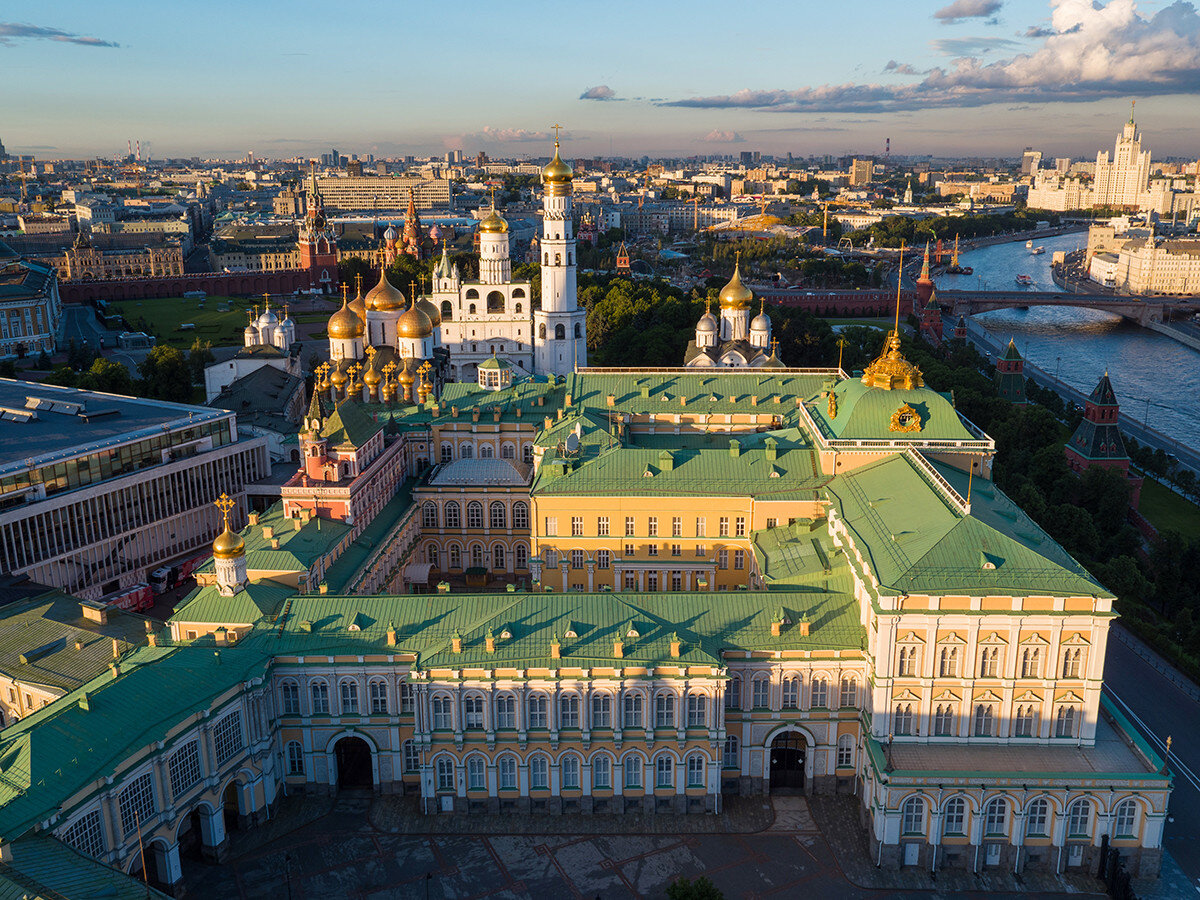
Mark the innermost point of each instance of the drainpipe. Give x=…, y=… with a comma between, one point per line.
x=937, y=837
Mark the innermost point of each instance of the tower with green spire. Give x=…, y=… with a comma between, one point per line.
x=1010, y=375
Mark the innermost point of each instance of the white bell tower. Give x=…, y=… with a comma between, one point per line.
x=560, y=326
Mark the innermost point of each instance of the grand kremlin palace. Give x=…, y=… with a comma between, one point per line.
x=602, y=591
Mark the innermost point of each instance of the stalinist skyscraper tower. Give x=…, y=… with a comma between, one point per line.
x=560, y=326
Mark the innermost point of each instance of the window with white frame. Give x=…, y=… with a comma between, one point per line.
x=630, y=530
x=1037, y=818
x=538, y=711
x=913, y=816
x=697, y=710
x=227, y=737
x=943, y=720
x=578, y=559
x=289, y=698
x=740, y=526
x=185, y=767
x=664, y=771
x=506, y=711
x=474, y=514
x=473, y=711
x=476, y=773
x=601, y=711
x=903, y=720
x=1125, y=821
x=954, y=819
x=1064, y=722
x=1072, y=662
x=295, y=758
x=633, y=771
x=497, y=515
x=1025, y=723
x=602, y=526
x=453, y=514
x=550, y=558
x=1079, y=818
x=739, y=559
x=447, y=453
x=983, y=720
x=349, y=694
x=379, y=704
x=445, y=773
x=320, y=698
x=412, y=756
x=723, y=527
x=1031, y=662
x=989, y=662
x=570, y=772
x=948, y=662
x=906, y=666
x=791, y=692
x=723, y=558
x=849, y=693
x=443, y=713
x=429, y=514
x=568, y=711
x=760, y=692
x=845, y=751
x=695, y=770
x=677, y=526
x=520, y=514
x=603, y=559
x=731, y=755
x=406, y=698
x=700, y=527
x=576, y=526
x=507, y=773
x=539, y=772
x=601, y=771
x=819, y=693
x=996, y=817
x=634, y=714
x=136, y=803
x=86, y=835
x=664, y=711
x=733, y=693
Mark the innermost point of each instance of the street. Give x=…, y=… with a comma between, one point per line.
x=1157, y=704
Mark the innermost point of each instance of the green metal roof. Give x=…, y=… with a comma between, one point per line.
x=258, y=599
x=917, y=542
x=340, y=575
x=349, y=425
x=865, y=413
x=42, y=868
x=298, y=548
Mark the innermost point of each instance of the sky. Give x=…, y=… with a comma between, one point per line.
x=945, y=78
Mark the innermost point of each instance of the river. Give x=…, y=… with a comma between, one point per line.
x=1155, y=377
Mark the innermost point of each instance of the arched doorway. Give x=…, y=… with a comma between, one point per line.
x=787, y=762
x=353, y=763
x=229, y=806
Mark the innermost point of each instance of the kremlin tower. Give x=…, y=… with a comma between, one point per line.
x=318, y=243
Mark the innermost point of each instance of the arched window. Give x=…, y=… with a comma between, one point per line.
x=506, y=711
x=1125, y=819
x=819, y=693
x=954, y=819
x=570, y=772
x=1064, y=722
x=506, y=772
x=791, y=692
x=472, y=294
x=568, y=711
x=560, y=332
x=1026, y=721
x=508, y=452
x=432, y=556
x=989, y=662
x=443, y=712
x=845, y=751
x=633, y=771
x=517, y=310
x=495, y=302
x=1071, y=663
x=634, y=712
x=695, y=770
x=497, y=515
x=476, y=779
x=664, y=771
x=601, y=771
x=474, y=514
x=948, y=663
x=486, y=451
x=455, y=556
x=477, y=555
x=697, y=710
x=733, y=693
x=913, y=816
x=1031, y=660
x=447, y=452
x=1079, y=819
x=527, y=454
x=601, y=710
x=473, y=711
x=447, y=311
x=849, y=691
x=542, y=331
x=320, y=698
x=429, y=514
x=498, y=560
x=445, y=773
x=521, y=557
x=731, y=755
x=996, y=817
x=538, y=711
x=904, y=719
x=453, y=515
x=1037, y=818
x=983, y=720
x=466, y=451
x=379, y=704
x=539, y=772
x=289, y=695
x=943, y=720
x=907, y=665
x=578, y=330
x=520, y=514
x=760, y=692
x=295, y=758
x=664, y=711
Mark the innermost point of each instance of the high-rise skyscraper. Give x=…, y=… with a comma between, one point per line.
x=1123, y=178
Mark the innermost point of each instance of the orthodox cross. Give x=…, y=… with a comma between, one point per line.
x=225, y=503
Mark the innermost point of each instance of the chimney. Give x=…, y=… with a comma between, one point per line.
x=568, y=400
x=475, y=414
x=489, y=642
x=456, y=643
x=496, y=414
x=611, y=399
x=645, y=391
x=517, y=412
x=803, y=626
x=754, y=399
x=268, y=532
x=619, y=648
x=323, y=587
x=391, y=635
x=683, y=401
x=555, y=648
x=299, y=524
x=78, y=644
x=94, y=612
x=735, y=448
x=676, y=646
x=274, y=543
x=558, y=414
x=454, y=411
x=772, y=446
x=116, y=649
x=253, y=518
x=152, y=639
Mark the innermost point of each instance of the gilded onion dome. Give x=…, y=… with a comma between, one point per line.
x=358, y=306
x=385, y=297
x=338, y=378
x=228, y=545
x=371, y=377
x=493, y=223
x=557, y=171
x=345, y=324
x=736, y=295
x=891, y=371
x=413, y=323
x=406, y=375
x=427, y=306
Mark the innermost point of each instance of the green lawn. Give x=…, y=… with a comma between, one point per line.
x=164, y=315
x=870, y=323
x=1168, y=511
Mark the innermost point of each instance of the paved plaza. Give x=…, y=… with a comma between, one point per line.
x=379, y=848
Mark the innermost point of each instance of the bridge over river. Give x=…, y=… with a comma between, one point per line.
x=1146, y=312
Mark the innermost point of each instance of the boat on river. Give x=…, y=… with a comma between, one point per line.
x=1037, y=251
x=1025, y=279
x=954, y=268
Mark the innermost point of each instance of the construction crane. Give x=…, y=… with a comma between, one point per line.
x=695, y=201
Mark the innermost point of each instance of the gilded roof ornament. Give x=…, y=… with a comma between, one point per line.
x=891, y=371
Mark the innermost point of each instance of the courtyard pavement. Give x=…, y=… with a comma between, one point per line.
x=360, y=846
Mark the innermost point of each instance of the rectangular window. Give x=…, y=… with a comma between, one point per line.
x=320, y=699
x=602, y=772
x=290, y=696
x=629, y=532
x=760, y=693
x=700, y=550
x=577, y=559
x=576, y=526
x=697, y=708
x=227, y=737
x=740, y=526
x=722, y=559
x=378, y=698
x=739, y=559
x=700, y=526
x=602, y=711
x=628, y=550
x=652, y=549
x=137, y=803
x=652, y=527
x=723, y=530
x=86, y=835
x=185, y=768
x=551, y=526
x=406, y=698
x=677, y=550
x=568, y=711
x=602, y=526
x=677, y=526
x=603, y=559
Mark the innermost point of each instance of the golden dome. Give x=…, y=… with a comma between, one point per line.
x=413, y=323
x=493, y=223
x=228, y=545
x=371, y=377
x=557, y=171
x=385, y=297
x=406, y=375
x=891, y=371
x=430, y=309
x=736, y=295
x=345, y=324
x=357, y=306
x=338, y=378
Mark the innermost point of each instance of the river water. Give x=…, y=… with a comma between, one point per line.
x=1156, y=378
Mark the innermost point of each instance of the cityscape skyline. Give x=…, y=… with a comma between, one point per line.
x=973, y=77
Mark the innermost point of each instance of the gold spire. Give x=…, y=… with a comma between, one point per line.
x=891, y=371
x=736, y=295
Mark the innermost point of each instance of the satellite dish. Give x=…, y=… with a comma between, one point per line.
x=572, y=443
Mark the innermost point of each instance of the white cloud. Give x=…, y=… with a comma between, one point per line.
x=599, y=92
x=716, y=136
x=967, y=9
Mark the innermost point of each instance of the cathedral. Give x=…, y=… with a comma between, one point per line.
x=462, y=323
x=735, y=340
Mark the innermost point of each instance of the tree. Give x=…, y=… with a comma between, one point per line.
x=165, y=375
x=107, y=376
x=199, y=356
x=700, y=889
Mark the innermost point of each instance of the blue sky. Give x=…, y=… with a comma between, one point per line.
x=282, y=79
